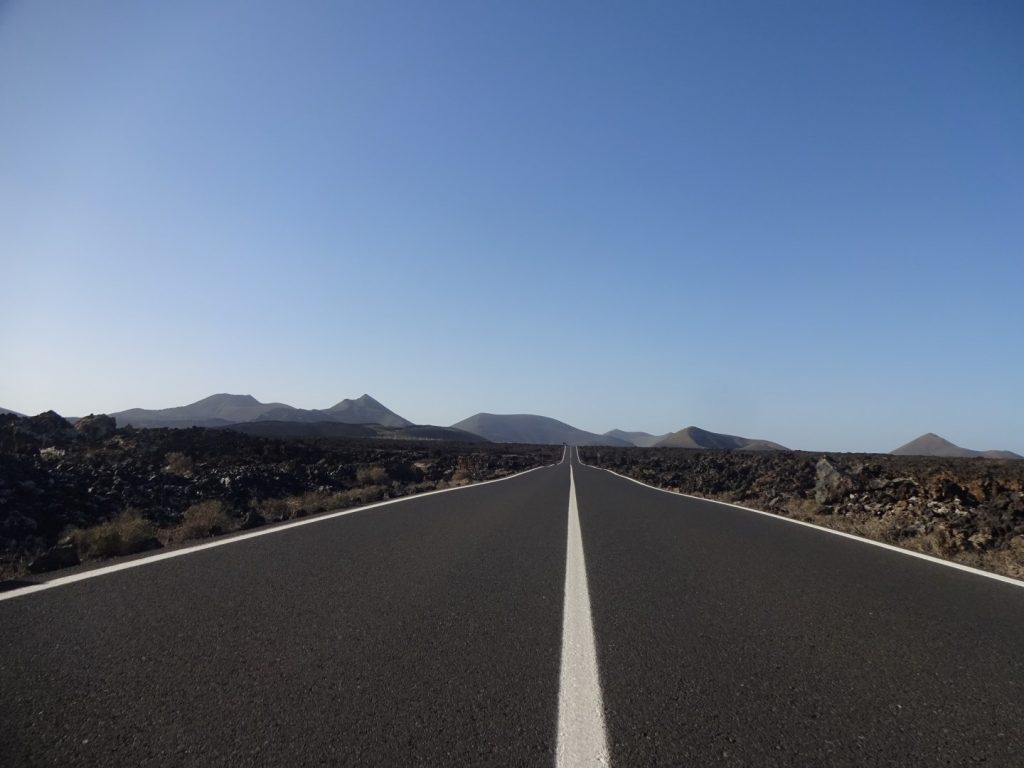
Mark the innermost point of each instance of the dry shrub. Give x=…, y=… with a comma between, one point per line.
x=801, y=509
x=273, y=510
x=366, y=495
x=207, y=518
x=941, y=541
x=356, y=496
x=882, y=528
x=1009, y=560
x=312, y=503
x=461, y=476
x=371, y=476
x=179, y=464
x=126, y=534
x=315, y=502
x=892, y=527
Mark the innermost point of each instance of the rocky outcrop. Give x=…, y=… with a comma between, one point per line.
x=60, y=556
x=50, y=430
x=95, y=427
x=831, y=484
x=47, y=430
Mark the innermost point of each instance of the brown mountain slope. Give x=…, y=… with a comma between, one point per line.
x=528, y=428
x=695, y=437
x=639, y=439
x=930, y=444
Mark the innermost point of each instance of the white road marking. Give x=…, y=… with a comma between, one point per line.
x=582, y=741
x=861, y=539
x=92, y=574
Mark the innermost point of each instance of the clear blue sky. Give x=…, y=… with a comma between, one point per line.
x=796, y=221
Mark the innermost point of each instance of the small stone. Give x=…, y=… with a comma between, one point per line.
x=61, y=556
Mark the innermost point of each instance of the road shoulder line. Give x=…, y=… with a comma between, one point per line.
x=223, y=542
x=851, y=536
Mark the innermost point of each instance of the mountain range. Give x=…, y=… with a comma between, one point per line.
x=222, y=410
x=930, y=444
x=366, y=417
x=527, y=428
x=639, y=439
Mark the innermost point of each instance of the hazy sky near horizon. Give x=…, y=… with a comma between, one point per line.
x=802, y=221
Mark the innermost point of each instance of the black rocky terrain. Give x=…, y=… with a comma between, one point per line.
x=56, y=478
x=966, y=509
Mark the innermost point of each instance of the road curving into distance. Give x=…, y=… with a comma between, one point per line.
x=430, y=632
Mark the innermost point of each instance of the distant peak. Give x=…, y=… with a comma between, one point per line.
x=363, y=399
x=930, y=444
x=224, y=397
x=367, y=411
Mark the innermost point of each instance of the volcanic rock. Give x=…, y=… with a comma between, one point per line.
x=831, y=484
x=60, y=556
x=50, y=428
x=96, y=427
x=253, y=519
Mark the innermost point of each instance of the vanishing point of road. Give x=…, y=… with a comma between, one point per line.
x=564, y=616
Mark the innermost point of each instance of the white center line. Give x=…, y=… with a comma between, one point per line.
x=582, y=741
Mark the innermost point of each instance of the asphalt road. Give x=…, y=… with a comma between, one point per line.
x=728, y=638
x=429, y=632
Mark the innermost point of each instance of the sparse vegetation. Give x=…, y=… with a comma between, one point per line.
x=273, y=510
x=202, y=520
x=372, y=476
x=192, y=483
x=462, y=474
x=126, y=534
x=179, y=464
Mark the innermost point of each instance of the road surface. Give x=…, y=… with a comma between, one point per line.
x=565, y=616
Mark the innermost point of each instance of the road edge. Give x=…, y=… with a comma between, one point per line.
x=104, y=570
x=844, y=534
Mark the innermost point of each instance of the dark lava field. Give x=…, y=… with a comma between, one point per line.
x=98, y=491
